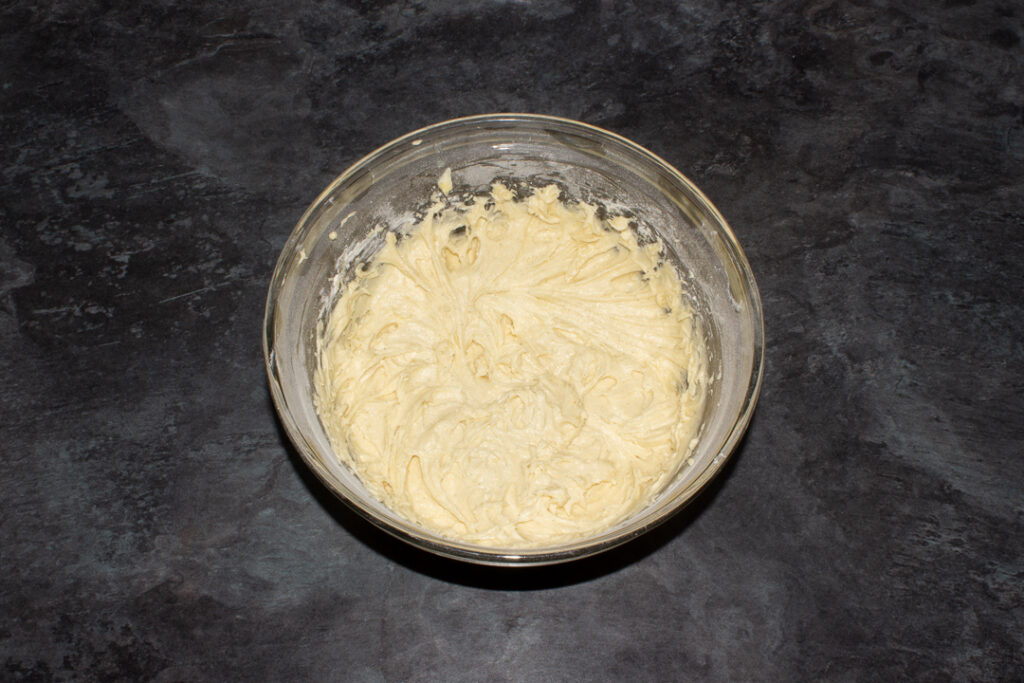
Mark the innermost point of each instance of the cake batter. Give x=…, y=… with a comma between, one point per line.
x=513, y=372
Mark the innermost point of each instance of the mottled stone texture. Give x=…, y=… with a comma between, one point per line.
x=156, y=524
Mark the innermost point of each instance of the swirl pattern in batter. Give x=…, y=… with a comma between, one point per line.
x=513, y=372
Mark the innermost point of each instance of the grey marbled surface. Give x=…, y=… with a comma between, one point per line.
x=156, y=525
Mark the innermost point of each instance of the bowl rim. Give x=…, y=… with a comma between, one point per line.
x=504, y=557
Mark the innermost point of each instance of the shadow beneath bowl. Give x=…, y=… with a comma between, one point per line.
x=503, y=578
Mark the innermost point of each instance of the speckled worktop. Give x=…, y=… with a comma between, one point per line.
x=156, y=525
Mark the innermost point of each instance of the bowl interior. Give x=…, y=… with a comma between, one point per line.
x=384, y=191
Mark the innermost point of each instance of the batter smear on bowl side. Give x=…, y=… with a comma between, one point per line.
x=513, y=373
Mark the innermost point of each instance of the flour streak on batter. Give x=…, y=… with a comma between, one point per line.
x=513, y=373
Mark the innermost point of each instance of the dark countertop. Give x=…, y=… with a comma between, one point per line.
x=156, y=524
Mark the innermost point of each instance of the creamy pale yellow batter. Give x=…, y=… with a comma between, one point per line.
x=513, y=373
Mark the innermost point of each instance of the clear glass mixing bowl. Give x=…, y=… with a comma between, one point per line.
x=386, y=187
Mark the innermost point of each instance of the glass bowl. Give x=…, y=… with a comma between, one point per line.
x=386, y=187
